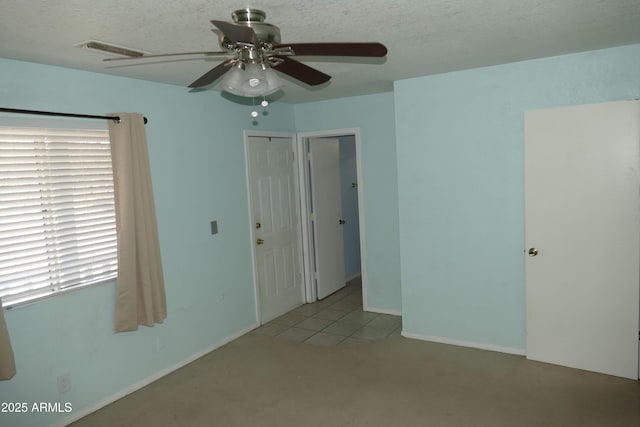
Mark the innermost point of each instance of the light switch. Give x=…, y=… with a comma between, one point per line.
x=214, y=227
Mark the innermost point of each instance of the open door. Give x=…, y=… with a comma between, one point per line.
x=583, y=236
x=326, y=206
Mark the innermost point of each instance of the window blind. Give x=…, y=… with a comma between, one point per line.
x=57, y=215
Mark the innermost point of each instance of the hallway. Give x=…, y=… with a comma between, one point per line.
x=337, y=319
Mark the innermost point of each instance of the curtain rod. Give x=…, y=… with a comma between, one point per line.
x=51, y=113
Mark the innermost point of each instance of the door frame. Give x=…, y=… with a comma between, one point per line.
x=305, y=212
x=252, y=238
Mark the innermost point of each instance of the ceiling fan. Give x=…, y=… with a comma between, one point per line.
x=254, y=49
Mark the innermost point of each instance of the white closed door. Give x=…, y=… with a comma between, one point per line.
x=273, y=197
x=582, y=234
x=326, y=206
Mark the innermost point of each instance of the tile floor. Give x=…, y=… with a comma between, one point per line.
x=337, y=319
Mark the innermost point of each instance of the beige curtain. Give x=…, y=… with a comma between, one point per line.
x=140, y=298
x=7, y=363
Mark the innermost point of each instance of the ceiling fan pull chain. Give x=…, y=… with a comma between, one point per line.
x=254, y=113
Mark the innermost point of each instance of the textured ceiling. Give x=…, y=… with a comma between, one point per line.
x=423, y=36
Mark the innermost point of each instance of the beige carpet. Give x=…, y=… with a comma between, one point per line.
x=261, y=381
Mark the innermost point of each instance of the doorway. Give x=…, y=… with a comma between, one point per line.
x=300, y=259
x=345, y=155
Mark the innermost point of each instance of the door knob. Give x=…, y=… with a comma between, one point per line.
x=533, y=251
x=260, y=242
x=342, y=221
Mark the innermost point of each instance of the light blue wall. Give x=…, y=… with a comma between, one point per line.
x=349, y=196
x=197, y=160
x=461, y=177
x=374, y=116
x=458, y=183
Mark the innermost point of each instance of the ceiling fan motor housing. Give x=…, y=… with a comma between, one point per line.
x=254, y=18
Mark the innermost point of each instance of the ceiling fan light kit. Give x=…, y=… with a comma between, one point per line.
x=253, y=49
x=251, y=80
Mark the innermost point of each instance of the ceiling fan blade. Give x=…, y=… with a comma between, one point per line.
x=369, y=50
x=163, y=55
x=301, y=72
x=237, y=33
x=212, y=75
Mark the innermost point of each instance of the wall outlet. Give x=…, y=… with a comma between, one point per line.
x=64, y=383
x=214, y=227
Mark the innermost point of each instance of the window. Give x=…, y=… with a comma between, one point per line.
x=57, y=216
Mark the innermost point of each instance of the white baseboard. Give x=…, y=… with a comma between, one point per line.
x=140, y=384
x=383, y=311
x=461, y=343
